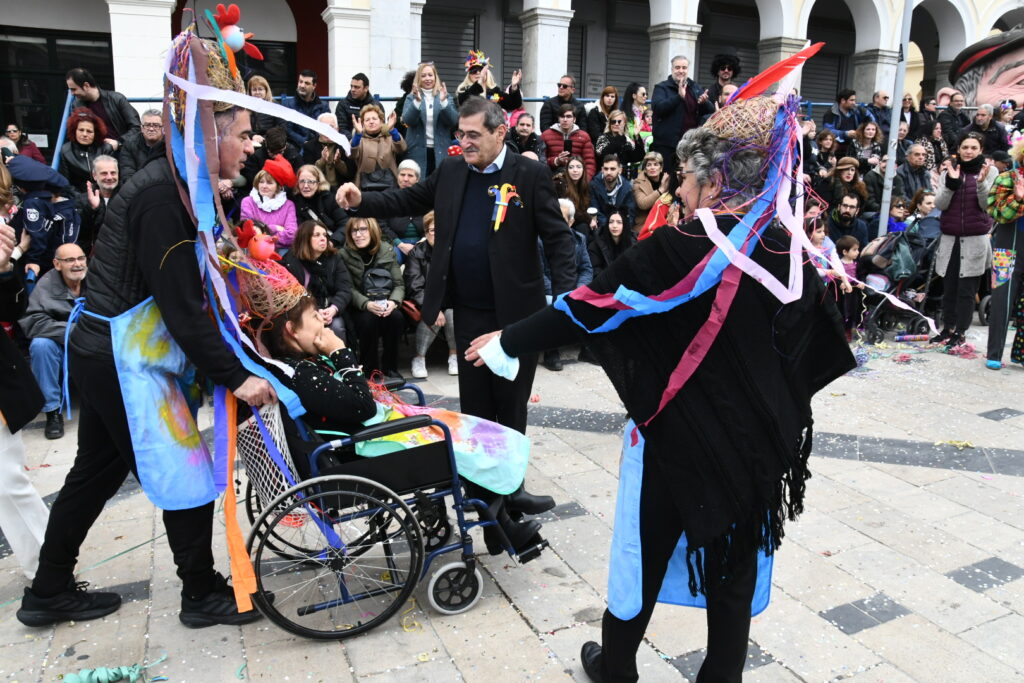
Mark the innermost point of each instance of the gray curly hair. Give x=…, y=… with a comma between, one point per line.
x=740, y=166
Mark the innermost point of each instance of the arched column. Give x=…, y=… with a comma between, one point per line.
x=136, y=26
x=876, y=44
x=348, y=40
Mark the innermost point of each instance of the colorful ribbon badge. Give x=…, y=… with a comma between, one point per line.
x=503, y=196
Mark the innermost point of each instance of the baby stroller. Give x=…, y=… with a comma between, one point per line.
x=900, y=264
x=340, y=552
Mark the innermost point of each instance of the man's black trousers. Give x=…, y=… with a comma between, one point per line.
x=105, y=457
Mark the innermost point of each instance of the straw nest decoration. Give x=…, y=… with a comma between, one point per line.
x=751, y=120
x=271, y=293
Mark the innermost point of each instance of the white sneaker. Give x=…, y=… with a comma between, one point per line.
x=453, y=364
x=419, y=367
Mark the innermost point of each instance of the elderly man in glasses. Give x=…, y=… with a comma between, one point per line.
x=140, y=146
x=44, y=324
x=553, y=105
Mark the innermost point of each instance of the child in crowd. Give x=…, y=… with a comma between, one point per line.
x=848, y=249
x=815, y=228
x=269, y=204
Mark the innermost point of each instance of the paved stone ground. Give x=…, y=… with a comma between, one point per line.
x=908, y=565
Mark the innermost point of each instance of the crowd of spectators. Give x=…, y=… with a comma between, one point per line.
x=612, y=163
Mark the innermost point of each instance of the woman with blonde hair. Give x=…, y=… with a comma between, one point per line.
x=259, y=87
x=480, y=81
x=615, y=141
x=377, y=293
x=375, y=149
x=430, y=117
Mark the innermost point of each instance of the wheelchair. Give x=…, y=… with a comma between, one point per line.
x=341, y=552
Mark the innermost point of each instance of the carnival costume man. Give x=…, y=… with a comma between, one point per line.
x=156, y=310
x=718, y=390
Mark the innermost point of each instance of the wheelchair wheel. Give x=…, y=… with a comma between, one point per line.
x=355, y=557
x=278, y=544
x=453, y=589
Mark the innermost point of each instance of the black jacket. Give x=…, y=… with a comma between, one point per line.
x=76, y=162
x=139, y=254
x=512, y=251
x=875, y=184
x=603, y=249
x=417, y=265
x=327, y=279
x=670, y=109
x=596, y=123
x=995, y=137
x=321, y=207
x=549, y=112
x=533, y=143
x=953, y=123
x=136, y=153
x=347, y=108
x=20, y=398
x=121, y=113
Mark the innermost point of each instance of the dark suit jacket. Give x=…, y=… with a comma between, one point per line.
x=515, y=264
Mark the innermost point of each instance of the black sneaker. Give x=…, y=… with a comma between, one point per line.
x=218, y=607
x=54, y=425
x=74, y=604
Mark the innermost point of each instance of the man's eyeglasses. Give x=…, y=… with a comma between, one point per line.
x=564, y=86
x=472, y=135
x=152, y=126
x=71, y=260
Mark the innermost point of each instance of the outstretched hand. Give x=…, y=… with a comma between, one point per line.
x=348, y=196
x=93, y=194
x=473, y=352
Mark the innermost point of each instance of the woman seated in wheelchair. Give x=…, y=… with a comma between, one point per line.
x=329, y=382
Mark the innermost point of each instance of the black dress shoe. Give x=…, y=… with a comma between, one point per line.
x=54, y=425
x=590, y=656
x=523, y=501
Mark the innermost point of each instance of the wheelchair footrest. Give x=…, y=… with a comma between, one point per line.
x=533, y=551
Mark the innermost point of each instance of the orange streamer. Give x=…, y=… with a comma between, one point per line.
x=243, y=579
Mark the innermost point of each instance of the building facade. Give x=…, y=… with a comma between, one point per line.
x=600, y=42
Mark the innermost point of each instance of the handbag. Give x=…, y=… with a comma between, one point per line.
x=377, y=283
x=378, y=180
x=411, y=310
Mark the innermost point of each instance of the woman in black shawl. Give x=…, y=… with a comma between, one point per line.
x=725, y=457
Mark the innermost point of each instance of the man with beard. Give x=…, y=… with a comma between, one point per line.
x=93, y=205
x=843, y=219
x=45, y=323
x=358, y=97
x=139, y=147
x=990, y=129
x=953, y=119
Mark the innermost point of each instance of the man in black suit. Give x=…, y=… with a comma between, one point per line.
x=490, y=277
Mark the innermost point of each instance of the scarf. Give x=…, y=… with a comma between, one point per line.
x=971, y=167
x=269, y=204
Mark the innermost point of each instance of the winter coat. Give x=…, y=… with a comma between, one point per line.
x=49, y=307
x=29, y=149
x=135, y=153
x=549, y=111
x=348, y=108
x=619, y=145
x=509, y=100
x=277, y=212
x=378, y=151
x=76, y=161
x=953, y=123
x=384, y=258
x=297, y=134
x=584, y=271
x=995, y=136
x=863, y=152
x=414, y=116
x=321, y=207
x=579, y=145
x=623, y=199
x=914, y=179
x=261, y=123
x=417, y=263
x=670, y=111
x=123, y=116
x=875, y=182
x=645, y=195
x=533, y=143
x=839, y=122
x=880, y=115
x=603, y=249
x=326, y=279
x=396, y=229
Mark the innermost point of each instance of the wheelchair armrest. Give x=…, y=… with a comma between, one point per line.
x=406, y=424
x=394, y=384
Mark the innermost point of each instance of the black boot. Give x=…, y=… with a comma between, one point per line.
x=523, y=501
x=54, y=425
x=590, y=657
x=553, y=360
x=519, y=534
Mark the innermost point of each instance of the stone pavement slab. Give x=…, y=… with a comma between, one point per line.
x=908, y=564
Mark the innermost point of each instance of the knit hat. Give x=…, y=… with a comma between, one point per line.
x=280, y=169
x=477, y=59
x=411, y=165
x=847, y=162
